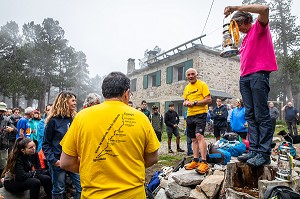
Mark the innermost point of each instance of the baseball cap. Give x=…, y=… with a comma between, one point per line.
x=3, y=106
x=154, y=107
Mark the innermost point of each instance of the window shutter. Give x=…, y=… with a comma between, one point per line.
x=169, y=79
x=188, y=64
x=167, y=105
x=158, y=105
x=158, y=78
x=145, y=81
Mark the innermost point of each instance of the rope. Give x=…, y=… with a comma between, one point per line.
x=208, y=16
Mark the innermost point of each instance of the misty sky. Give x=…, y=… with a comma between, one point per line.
x=111, y=31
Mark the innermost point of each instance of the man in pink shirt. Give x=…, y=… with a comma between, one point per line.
x=258, y=60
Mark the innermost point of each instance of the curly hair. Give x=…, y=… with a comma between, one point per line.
x=91, y=100
x=60, y=106
x=20, y=143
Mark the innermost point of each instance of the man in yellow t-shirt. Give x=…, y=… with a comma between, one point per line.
x=196, y=97
x=111, y=144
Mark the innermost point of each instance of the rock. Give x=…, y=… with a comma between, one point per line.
x=161, y=194
x=175, y=191
x=264, y=184
x=219, y=167
x=195, y=194
x=297, y=170
x=164, y=182
x=232, y=194
x=276, y=139
x=188, y=178
x=211, y=185
x=219, y=172
x=297, y=163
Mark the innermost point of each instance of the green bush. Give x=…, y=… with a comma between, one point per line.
x=280, y=122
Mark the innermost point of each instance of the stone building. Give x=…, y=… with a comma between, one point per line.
x=162, y=79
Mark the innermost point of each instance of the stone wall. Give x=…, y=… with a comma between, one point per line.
x=219, y=73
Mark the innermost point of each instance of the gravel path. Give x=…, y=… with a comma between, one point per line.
x=164, y=146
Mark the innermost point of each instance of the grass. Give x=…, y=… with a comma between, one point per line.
x=170, y=160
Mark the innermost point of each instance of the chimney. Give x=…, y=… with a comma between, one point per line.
x=130, y=65
x=151, y=56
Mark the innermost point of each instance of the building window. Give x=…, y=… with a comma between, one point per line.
x=152, y=79
x=133, y=85
x=177, y=73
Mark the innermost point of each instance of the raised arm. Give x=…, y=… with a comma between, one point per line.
x=261, y=10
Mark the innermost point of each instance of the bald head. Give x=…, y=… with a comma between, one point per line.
x=191, y=70
x=191, y=75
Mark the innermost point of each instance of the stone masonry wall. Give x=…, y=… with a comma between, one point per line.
x=219, y=73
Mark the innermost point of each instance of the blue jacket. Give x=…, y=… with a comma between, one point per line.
x=237, y=120
x=55, y=130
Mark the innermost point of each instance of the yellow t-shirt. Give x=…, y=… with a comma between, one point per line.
x=197, y=91
x=111, y=139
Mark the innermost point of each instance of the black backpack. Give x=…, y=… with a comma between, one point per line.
x=280, y=192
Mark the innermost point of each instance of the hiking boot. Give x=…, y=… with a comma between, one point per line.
x=245, y=157
x=259, y=160
x=170, y=151
x=192, y=165
x=180, y=150
x=203, y=168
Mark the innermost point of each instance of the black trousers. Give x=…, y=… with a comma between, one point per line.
x=32, y=184
x=292, y=126
x=273, y=120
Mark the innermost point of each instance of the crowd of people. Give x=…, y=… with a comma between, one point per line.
x=105, y=147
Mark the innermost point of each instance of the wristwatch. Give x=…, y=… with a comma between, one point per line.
x=195, y=102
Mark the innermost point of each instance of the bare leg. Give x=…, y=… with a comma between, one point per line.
x=178, y=140
x=195, y=146
x=202, y=145
x=169, y=143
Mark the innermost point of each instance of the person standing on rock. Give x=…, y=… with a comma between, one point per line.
x=257, y=60
x=196, y=98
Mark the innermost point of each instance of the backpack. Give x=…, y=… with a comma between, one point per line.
x=151, y=115
x=231, y=136
x=217, y=155
x=154, y=182
x=280, y=192
x=235, y=147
